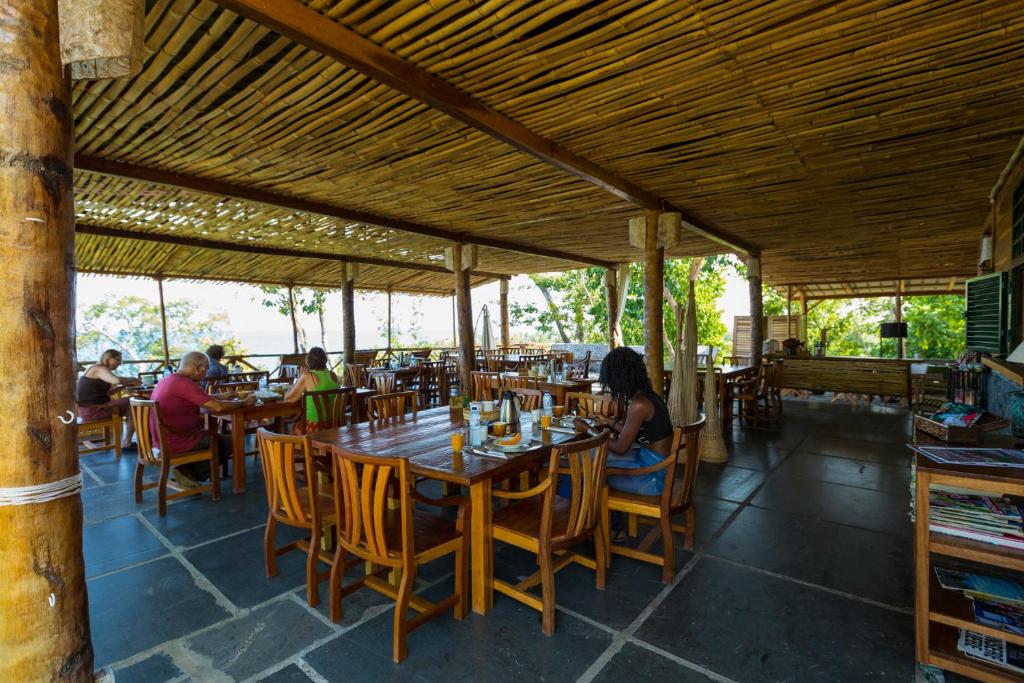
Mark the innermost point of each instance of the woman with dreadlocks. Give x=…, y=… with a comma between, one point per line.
x=644, y=436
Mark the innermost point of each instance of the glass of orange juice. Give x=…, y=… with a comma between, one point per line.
x=545, y=421
x=457, y=440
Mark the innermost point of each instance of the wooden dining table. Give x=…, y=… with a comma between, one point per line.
x=278, y=411
x=558, y=390
x=425, y=439
x=729, y=376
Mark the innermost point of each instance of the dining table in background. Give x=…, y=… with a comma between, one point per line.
x=425, y=439
x=558, y=390
x=729, y=375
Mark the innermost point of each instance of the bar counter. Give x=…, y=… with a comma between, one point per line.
x=844, y=374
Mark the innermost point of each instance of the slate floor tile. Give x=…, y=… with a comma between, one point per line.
x=866, y=563
x=635, y=663
x=114, y=500
x=246, y=646
x=727, y=482
x=159, y=667
x=129, y=611
x=199, y=518
x=289, y=674
x=753, y=627
x=117, y=543
x=857, y=449
x=849, y=505
x=868, y=475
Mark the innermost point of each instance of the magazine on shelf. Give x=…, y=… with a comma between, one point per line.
x=992, y=650
x=975, y=457
x=999, y=615
x=1004, y=540
x=981, y=586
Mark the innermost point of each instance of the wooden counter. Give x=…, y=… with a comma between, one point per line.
x=877, y=376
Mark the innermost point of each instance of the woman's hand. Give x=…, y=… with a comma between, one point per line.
x=580, y=427
x=605, y=420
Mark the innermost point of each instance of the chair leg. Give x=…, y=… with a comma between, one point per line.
x=215, y=480
x=116, y=436
x=334, y=585
x=139, y=469
x=691, y=530
x=161, y=492
x=600, y=554
x=312, y=582
x=269, y=547
x=631, y=524
x=668, y=567
x=462, y=576
x=547, y=584
x=400, y=647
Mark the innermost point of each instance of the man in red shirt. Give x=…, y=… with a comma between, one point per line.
x=180, y=398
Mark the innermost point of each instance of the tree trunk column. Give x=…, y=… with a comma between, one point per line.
x=464, y=306
x=44, y=619
x=756, y=309
x=654, y=285
x=506, y=334
x=348, y=313
x=611, y=288
x=163, y=323
x=900, y=342
x=295, y=325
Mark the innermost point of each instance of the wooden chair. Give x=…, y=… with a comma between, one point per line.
x=329, y=406
x=735, y=360
x=676, y=497
x=453, y=377
x=364, y=358
x=546, y=524
x=579, y=369
x=512, y=382
x=588, y=405
x=429, y=383
x=355, y=375
x=402, y=538
x=486, y=386
x=383, y=382
x=100, y=435
x=754, y=395
x=294, y=499
x=532, y=399
x=151, y=454
x=384, y=406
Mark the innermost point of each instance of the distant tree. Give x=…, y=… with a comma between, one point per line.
x=935, y=325
x=132, y=325
x=309, y=301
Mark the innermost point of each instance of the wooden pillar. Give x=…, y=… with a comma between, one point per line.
x=789, y=311
x=163, y=323
x=756, y=309
x=900, y=341
x=506, y=333
x=44, y=618
x=348, y=312
x=654, y=314
x=464, y=306
x=455, y=317
x=389, y=322
x=611, y=288
x=295, y=325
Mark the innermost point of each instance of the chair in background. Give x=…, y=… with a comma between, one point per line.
x=513, y=382
x=578, y=369
x=676, y=497
x=588, y=405
x=735, y=360
x=531, y=398
x=384, y=406
x=329, y=406
x=101, y=434
x=152, y=455
x=355, y=375
x=402, y=539
x=431, y=379
x=541, y=522
x=754, y=395
x=383, y=382
x=294, y=499
x=486, y=386
x=453, y=377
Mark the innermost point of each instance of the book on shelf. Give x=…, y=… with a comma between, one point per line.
x=992, y=650
x=980, y=586
x=976, y=516
x=1000, y=615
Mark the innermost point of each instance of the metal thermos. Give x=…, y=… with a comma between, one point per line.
x=508, y=411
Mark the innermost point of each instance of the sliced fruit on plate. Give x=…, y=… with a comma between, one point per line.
x=509, y=441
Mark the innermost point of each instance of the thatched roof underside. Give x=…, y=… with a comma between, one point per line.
x=877, y=288
x=848, y=141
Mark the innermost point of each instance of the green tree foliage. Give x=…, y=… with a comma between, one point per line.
x=309, y=301
x=132, y=325
x=936, y=326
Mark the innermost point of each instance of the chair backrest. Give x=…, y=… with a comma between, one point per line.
x=362, y=484
x=364, y=358
x=513, y=382
x=383, y=406
x=355, y=375
x=383, y=382
x=329, y=406
x=587, y=405
x=149, y=450
x=579, y=369
x=420, y=353
x=584, y=464
x=225, y=384
x=686, y=446
x=531, y=399
x=288, y=468
x=494, y=361
x=486, y=386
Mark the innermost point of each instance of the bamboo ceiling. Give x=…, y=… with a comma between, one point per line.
x=849, y=141
x=876, y=288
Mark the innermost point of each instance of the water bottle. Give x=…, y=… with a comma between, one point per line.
x=546, y=402
x=263, y=382
x=474, y=414
x=526, y=427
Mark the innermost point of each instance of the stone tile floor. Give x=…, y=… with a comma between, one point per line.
x=802, y=571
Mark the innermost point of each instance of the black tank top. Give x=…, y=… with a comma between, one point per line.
x=660, y=425
x=92, y=391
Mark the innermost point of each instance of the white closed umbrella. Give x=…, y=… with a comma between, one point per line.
x=484, y=334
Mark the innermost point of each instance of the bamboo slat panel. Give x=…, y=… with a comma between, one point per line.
x=856, y=139
x=877, y=376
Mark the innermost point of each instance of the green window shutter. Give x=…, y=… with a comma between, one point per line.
x=986, y=313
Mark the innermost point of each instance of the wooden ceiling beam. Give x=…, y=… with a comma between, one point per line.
x=265, y=251
x=120, y=169
x=312, y=29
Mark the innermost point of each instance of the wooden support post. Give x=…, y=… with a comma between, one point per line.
x=611, y=288
x=900, y=342
x=756, y=309
x=506, y=331
x=295, y=325
x=654, y=286
x=44, y=613
x=389, y=322
x=455, y=317
x=163, y=323
x=348, y=312
x=464, y=304
x=789, y=311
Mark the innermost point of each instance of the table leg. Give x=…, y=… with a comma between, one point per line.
x=481, y=546
x=238, y=451
x=726, y=401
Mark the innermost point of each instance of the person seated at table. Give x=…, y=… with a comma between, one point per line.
x=92, y=393
x=644, y=436
x=314, y=377
x=180, y=398
x=214, y=354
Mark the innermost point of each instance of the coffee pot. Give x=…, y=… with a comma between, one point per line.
x=511, y=406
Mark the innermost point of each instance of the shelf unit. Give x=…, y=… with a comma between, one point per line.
x=940, y=613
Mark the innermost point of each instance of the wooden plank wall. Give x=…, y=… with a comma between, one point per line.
x=877, y=376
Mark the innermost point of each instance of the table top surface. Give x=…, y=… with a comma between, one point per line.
x=727, y=370
x=426, y=441
x=271, y=407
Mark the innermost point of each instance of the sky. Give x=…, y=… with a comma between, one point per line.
x=264, y=330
